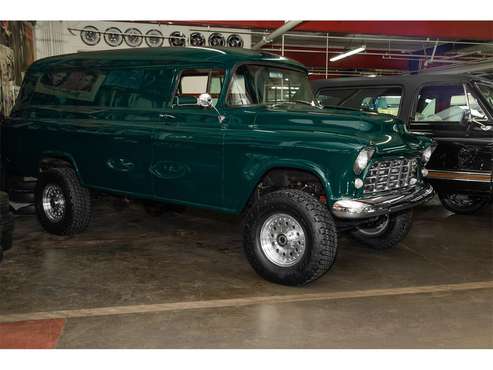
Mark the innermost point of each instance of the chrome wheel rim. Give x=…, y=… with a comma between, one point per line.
x=282, y=240
x=53, y=202
x=377, y=229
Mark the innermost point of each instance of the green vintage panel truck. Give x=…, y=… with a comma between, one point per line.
x=235, y=131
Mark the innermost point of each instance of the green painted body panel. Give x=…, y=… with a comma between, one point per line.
x=154, y=150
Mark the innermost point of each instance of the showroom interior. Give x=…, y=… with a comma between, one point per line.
x=148, y=273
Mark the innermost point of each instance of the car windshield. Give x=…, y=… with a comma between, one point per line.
x=487, y=92
x=257, y=84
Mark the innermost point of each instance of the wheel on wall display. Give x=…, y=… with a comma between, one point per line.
x=90, y=35
x=235, y=41
x=133, y=37
x=177, y=39
x=154, y=38
x=216, y=39
x=113, y=36
x=197, y=39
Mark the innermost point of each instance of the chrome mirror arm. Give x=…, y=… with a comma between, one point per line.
x=205, y=101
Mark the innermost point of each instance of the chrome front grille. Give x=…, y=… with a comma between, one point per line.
x=390, y=175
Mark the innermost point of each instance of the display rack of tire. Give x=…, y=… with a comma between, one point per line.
x=6, y=224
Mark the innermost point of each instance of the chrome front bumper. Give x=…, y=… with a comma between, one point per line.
x=381, y=205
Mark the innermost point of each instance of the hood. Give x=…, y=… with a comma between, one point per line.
x=386, y=133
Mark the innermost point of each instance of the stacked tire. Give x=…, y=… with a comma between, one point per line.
x=21, y=192
x=6, y=224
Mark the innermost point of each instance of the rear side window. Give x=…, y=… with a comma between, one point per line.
x=122, y=88
x=385, y=100
x=335, y=97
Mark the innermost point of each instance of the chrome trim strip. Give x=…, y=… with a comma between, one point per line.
x=483, y=176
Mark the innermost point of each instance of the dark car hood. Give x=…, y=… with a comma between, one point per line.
x=385, y=132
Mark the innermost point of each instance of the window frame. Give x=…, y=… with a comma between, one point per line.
x=179, y=71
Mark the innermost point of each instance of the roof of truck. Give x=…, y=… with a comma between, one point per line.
x=409, y=79
x=165, y=55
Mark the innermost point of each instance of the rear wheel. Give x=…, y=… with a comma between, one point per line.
x=63, y=206
x=462, y=203
x=386, y=232
x=290, y=237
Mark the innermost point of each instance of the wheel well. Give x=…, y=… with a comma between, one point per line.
x=289, y=178
x=51, y=162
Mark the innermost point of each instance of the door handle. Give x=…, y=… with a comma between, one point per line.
x=166, y=116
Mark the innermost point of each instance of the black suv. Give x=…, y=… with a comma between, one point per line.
x=455, y=110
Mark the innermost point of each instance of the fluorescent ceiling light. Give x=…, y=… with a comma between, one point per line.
x=348, y=53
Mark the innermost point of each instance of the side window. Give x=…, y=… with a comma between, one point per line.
x=136, y=88
x=334, y=97
x=385, y=100
x=121, y=88
x=441, y=103
x=67, y=87
x=195, y=82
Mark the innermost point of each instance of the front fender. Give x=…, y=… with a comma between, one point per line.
x=256, y=173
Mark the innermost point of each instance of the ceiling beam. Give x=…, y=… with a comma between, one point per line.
x=463, y=30
x=487, y=65
x=289, y=25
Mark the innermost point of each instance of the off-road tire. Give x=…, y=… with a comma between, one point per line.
x=397, y=229
x=478, y=203
x=318, y=226
x=77, y=202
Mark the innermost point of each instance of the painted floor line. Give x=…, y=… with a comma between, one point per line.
x=238, y=302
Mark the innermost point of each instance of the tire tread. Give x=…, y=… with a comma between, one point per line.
x=322, y=255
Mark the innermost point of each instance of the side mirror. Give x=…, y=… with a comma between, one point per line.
x=204, y=100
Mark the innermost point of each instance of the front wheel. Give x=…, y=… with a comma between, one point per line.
x=386, y=232
x=63, y=206
x=462, y=203
x=290, y=237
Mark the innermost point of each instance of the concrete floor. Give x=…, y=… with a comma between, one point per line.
x=181, y=281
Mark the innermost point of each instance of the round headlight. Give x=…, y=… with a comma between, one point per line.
x=425, y=157
x=362, y=160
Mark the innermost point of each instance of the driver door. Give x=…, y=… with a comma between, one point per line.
x=464, y=149
x=188, y=151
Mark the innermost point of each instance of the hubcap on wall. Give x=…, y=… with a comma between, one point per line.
x=282, y=240
x=53, y=202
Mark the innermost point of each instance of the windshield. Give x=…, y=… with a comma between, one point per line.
x=257, y=84
x=487, y=92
